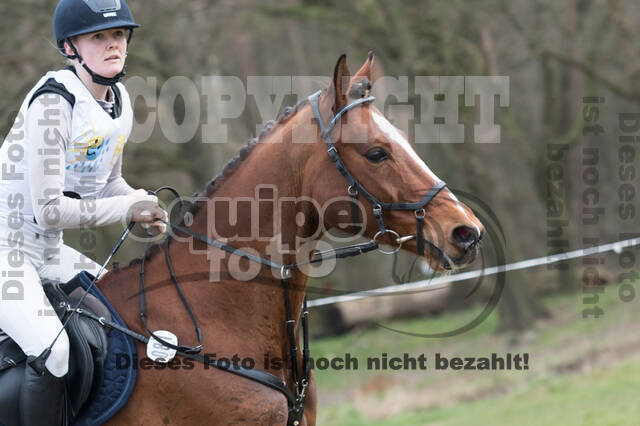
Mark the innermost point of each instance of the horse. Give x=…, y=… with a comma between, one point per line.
x=245, y=320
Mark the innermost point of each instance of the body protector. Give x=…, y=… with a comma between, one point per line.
x=96, y=142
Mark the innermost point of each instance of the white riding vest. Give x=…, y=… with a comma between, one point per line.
x=97, y=140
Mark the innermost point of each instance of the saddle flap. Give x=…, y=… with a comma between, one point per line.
x=99, y=345
x=91, y=302
x=81, y=370
x=89, y=347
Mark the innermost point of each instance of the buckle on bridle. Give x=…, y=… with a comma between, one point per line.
x=301, y=389
x=420, y=213
x=285, y=273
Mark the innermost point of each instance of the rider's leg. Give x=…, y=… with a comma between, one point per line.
x=28, y=318
x=25, y=313
x=41, y=396
x=70, y=263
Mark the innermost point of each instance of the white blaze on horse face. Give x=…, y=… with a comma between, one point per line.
x=394, y=135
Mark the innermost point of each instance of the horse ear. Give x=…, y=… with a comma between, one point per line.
x=360, y=85
x=341, y=76
x=365, y=70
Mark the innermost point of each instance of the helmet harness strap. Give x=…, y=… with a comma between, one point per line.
x=97, y=78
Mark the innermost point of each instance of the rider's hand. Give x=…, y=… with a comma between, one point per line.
x=144, y=209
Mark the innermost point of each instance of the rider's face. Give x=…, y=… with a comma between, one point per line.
x=104, y=52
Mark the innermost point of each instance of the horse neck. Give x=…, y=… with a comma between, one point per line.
x=271, y=165
x=265, y=196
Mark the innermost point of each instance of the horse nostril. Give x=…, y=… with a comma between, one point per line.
x=464, y=237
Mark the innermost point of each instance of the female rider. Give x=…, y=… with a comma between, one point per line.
x=61, y=168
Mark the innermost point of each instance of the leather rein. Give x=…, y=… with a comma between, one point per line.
x=295, y=398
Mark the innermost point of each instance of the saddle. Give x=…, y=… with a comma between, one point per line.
x=88, y=353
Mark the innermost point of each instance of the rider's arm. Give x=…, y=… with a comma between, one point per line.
x=116, y=185
x=48, y=128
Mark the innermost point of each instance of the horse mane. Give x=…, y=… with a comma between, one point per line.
x=234, y=163
x=227, y=170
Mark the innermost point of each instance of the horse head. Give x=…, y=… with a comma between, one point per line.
x=393, y=186
x=353, y=155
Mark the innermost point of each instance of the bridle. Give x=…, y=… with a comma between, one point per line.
x=354, y=187
x=301, y=378
x=295, y=399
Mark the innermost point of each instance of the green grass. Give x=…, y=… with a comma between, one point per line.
x=607, y=396
x=375, y=341
x=582, y=372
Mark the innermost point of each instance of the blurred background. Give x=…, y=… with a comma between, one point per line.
x=560, y=179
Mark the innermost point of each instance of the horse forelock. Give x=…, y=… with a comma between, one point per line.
x=360, y=88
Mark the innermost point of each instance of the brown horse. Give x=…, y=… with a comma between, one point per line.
x=246, y=319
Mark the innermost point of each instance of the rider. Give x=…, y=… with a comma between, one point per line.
x=61, y=168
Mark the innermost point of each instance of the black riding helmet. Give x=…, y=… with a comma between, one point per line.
x=77, y=17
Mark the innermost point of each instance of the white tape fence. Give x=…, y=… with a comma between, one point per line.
x=438, y=282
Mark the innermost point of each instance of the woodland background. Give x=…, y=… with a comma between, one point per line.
x=555, y=53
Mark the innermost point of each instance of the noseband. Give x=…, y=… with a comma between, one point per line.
x=354, y=187
x=295, y=401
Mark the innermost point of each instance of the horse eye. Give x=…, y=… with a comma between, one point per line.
x=376, y=155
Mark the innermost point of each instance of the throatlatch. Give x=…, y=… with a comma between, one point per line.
x=295, y=398
x=354, y=187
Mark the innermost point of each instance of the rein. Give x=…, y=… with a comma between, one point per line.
x=300, y=379
x=295, y=402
